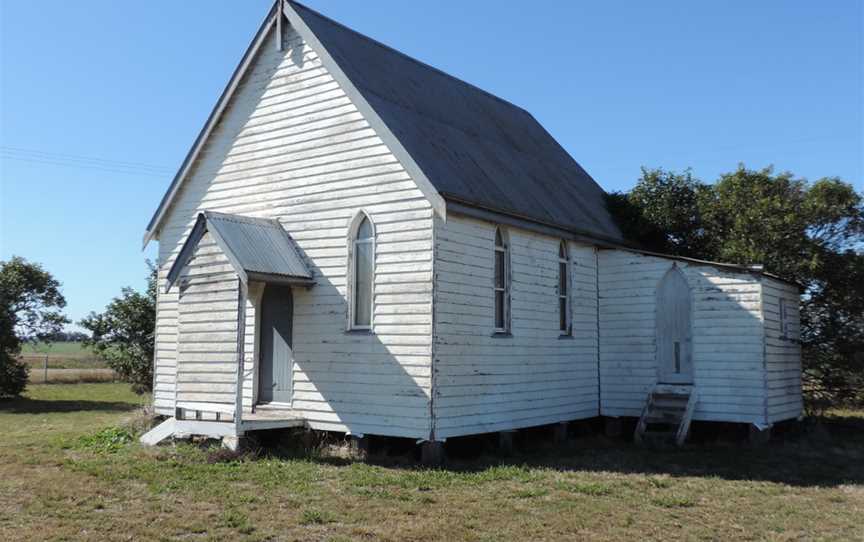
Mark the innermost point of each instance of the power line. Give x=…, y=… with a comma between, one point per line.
x=82, y=162
x=80, y=166
x=76, y=157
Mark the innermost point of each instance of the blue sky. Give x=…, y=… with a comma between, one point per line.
x=100, y=100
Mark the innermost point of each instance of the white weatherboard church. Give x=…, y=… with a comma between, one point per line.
x=358, y=242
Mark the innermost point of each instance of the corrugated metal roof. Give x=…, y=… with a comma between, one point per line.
x=258, y=248
x=753, y=269
x=259, y=245
x=472, y=146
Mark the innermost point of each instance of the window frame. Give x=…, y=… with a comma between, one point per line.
x=782, y=307
x=564, y=264
x=504, y=249
x=354, y=242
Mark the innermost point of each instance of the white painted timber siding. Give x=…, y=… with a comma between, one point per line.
x=782, y=351
x=208, y=290
x=292, y=146
x=727, y=335
x=165, y=364
x=534, y=377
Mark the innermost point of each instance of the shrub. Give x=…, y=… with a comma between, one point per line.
x=124, y=335
x=13, y=374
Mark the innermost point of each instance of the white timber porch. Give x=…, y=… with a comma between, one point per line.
x=219, y=421
x=218, y=368
x=262, y=417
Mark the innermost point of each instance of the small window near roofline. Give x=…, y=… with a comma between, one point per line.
x=563, y=289
x=362, y=273
x=784, y=319
x=501, y=284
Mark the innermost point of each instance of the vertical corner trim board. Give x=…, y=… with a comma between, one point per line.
x=241, y=358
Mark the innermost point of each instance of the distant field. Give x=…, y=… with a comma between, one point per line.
x=61, y=355
x=56, y=349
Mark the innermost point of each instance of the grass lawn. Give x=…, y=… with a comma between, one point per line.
x=63, y=476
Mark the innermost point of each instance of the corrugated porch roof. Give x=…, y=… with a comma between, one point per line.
x=258, y=249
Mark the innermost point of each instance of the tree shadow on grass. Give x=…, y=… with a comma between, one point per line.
x=24, y=405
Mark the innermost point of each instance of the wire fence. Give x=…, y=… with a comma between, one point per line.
x=68, y=368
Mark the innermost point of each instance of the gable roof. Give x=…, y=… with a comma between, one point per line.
x=457, y=141
x=474, y=147
x=258, y=249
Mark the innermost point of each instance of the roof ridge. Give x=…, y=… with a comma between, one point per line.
x=409, y=57
x=239, y=218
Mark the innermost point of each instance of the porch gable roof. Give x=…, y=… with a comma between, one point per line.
x=258, y=249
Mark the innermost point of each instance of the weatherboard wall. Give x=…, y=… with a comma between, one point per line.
x=727, y=337
x=532, y=377
x=165, y=362
x=208, y=292
x=782, y=350
x=292, y=146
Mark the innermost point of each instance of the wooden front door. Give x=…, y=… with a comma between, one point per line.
x=277, y=308
x=674, y=337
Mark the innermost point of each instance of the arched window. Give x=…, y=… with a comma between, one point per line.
x=502, y=282
x=362, y=272
x=784, y=319
x=563, y=289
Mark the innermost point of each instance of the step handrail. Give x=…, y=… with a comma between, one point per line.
x=642, y=425
x=684, y=427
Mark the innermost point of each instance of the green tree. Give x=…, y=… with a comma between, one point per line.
x=30, y=310
x=759, y=217
x=809, y=233
x=124, y=334
x=663, y=213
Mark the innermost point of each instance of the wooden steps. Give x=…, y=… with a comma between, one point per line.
x=220, y=422
x=174, y=428
x=665, y=420
x=158, y=433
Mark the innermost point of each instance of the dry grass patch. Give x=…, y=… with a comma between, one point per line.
x=71, y=376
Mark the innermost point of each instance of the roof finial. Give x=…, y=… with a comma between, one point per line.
x=279, y=14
